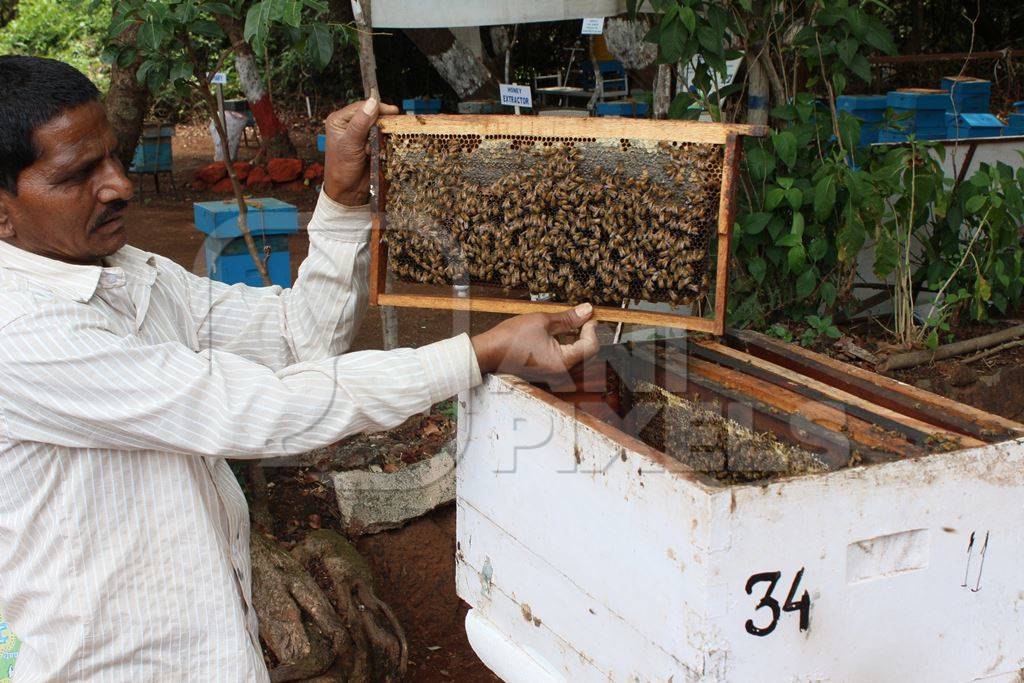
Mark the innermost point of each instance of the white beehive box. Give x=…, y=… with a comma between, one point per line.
x=588, y=556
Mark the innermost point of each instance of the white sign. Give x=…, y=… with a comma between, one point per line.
x=593, y=26
x=220, y=78
x=515, y=95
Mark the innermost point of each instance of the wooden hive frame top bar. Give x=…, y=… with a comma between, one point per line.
x=569, y=127
x=576, y=129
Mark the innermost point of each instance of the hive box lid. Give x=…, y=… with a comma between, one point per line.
x=266, y=216
x=918, y=98
x=976, y=120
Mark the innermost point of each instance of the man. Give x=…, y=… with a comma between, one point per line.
x=126, y=381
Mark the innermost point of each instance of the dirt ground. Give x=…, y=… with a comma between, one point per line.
x=415, y=565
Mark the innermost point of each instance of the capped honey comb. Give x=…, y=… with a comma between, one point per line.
x=582, y=219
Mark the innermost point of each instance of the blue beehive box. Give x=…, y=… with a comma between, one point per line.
x=321, y=143
x=922, y=108
x=421, y=105
x=869, y=110
x=967, y=94
x=266, y=216
x=153, y=153
x=229, y=261
x=1015, y=125
x=902, y=135
x=634, y=110
x=973, y=126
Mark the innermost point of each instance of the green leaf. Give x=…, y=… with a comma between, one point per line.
x=795, y=197
x=790, y=240
x=151, y=36
x=798, y=224
x=757, y=268
x=711, y=41
x=797, y=259
x=206, y=27
x=785, y=147
x=144, y=70
x=774, y=197
x=932, y=340
x=862, y=67
x=817, y=248
x=980, y=179
x=824, y=197
x=181, y=71
x=755, y=223
x=887, y=255
x=760, y=163
x=321, y=45
x=689, y=18
x=291, y=12
x=847, y=50
x=806, y=283
x=975, y=203
x=680, y=105
x=828, y=294
x=218, y=8
x=257, y=24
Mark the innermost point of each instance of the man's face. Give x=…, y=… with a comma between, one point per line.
x=70, y=203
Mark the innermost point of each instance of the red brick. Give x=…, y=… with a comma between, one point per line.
x=212, y=173
x=284, y=170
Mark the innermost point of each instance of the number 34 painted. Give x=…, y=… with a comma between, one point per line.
x=803, y=605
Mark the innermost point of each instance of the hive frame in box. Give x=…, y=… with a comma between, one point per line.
x=727, y=135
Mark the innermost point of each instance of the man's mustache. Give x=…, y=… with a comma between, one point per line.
x=115, y=209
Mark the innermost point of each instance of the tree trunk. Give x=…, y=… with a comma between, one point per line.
x=127, y=102
x=758, y=93
x=276, y=140
x=458, y=66
x=8, y=10
x=662, y=91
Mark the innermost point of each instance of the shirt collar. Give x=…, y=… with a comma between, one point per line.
x=78, y=282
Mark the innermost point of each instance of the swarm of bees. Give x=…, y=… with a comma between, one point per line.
x=581, y=219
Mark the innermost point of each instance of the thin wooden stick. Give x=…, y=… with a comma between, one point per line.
x=992, y=352
x=915, y=358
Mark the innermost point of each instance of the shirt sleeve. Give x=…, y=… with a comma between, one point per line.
x=82, y=386
x=317, y=318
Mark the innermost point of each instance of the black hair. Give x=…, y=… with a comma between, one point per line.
x=33, y=92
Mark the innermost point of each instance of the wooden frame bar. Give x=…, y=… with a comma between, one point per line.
x=567, y=127
x=881, y=390
x=728, y=135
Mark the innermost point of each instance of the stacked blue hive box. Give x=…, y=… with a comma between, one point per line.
x=918, y=111
x=421, y=105
x=153, y=153
x=869, y=110
x=1015, y=126
x=633, y=110
x=973, y=126
x=227, y=257
x=967, y=95
x=321, y=142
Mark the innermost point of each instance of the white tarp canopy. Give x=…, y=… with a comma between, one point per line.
x=452, y=13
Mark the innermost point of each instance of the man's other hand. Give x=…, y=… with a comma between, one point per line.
x=347, y=164
x=526, y=345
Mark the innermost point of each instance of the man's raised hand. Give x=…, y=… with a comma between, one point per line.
x=347, y=164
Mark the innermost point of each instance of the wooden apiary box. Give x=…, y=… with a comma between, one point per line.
x=885, y=546
x=605, y=210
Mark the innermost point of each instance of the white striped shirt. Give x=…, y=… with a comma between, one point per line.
x=124, y=536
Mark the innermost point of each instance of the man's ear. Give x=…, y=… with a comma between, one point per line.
x=6, y=227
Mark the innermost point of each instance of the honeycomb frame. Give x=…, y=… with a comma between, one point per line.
x=526, y=131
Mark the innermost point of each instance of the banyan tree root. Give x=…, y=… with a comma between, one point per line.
x=319, y=616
